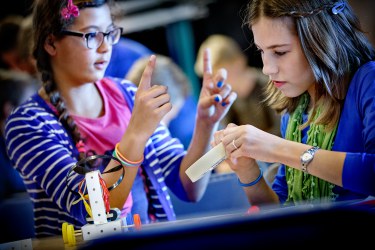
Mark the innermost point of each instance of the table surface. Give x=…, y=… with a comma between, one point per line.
x=259, y=217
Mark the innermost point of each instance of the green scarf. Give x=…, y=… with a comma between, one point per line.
x=303, y=187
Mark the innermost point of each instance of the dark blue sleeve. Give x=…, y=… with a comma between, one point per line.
x=359, y=173
x=279, y=185
x=366, y=105
x=359, y=138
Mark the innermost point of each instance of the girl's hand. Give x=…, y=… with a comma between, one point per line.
x=151, y=104
x=249, y=141
x=216, y=96
x=240, y=163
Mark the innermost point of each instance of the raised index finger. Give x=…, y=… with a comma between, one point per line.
x=145, y=82
x=207, y=68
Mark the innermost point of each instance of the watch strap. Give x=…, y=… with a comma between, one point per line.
x=312, y=152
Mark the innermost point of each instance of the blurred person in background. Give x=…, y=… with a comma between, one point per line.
x=26, y=61
x=15, y=88
x=9, y=30
x=248, y=82
x=180, y=120
x=124, y=54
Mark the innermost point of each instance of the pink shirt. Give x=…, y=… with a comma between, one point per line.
x=104, y=132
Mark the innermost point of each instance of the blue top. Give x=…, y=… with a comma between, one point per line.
x=124, y=54
x=182, y=126
x=42, y=151
x=355, y=134
x=10, y=180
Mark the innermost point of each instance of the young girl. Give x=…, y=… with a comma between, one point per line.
x=77, y=113
x=322, y=71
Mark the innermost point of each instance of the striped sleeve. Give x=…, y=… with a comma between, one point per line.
x=43, y=152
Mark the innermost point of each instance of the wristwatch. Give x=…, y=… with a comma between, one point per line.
x=307, y=157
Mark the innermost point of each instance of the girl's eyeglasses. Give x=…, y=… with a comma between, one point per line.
x=95, y=39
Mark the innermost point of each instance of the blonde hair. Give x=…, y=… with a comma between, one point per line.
x=224, y=49
x=166, y=72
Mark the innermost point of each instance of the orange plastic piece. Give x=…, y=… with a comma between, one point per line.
x=137, y=221
x=253, y=210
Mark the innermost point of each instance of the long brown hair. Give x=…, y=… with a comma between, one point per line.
x=47, y=21
x=334, y=44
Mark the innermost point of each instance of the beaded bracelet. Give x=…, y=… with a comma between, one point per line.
x=116, y=153
x=253, y=182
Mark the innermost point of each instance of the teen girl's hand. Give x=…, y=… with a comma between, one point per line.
x=237, y=163
x=151, y=104
x=216, y=97
x=248, y=141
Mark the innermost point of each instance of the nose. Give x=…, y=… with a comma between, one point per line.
x=106, y=44
x=269, y=66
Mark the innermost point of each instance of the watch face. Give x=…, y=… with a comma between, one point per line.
x=306, y=157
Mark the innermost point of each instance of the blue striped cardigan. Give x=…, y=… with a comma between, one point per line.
x=41, y=149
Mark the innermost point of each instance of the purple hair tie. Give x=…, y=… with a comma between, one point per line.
x=338, y=7
x=70, y=10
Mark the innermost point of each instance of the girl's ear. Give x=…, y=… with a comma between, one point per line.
x=49, y=45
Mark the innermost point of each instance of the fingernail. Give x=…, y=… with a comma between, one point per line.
x=217, y=99
x=224, y=104
x=219, y=84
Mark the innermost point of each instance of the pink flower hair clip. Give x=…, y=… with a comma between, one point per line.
x=70, y=10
